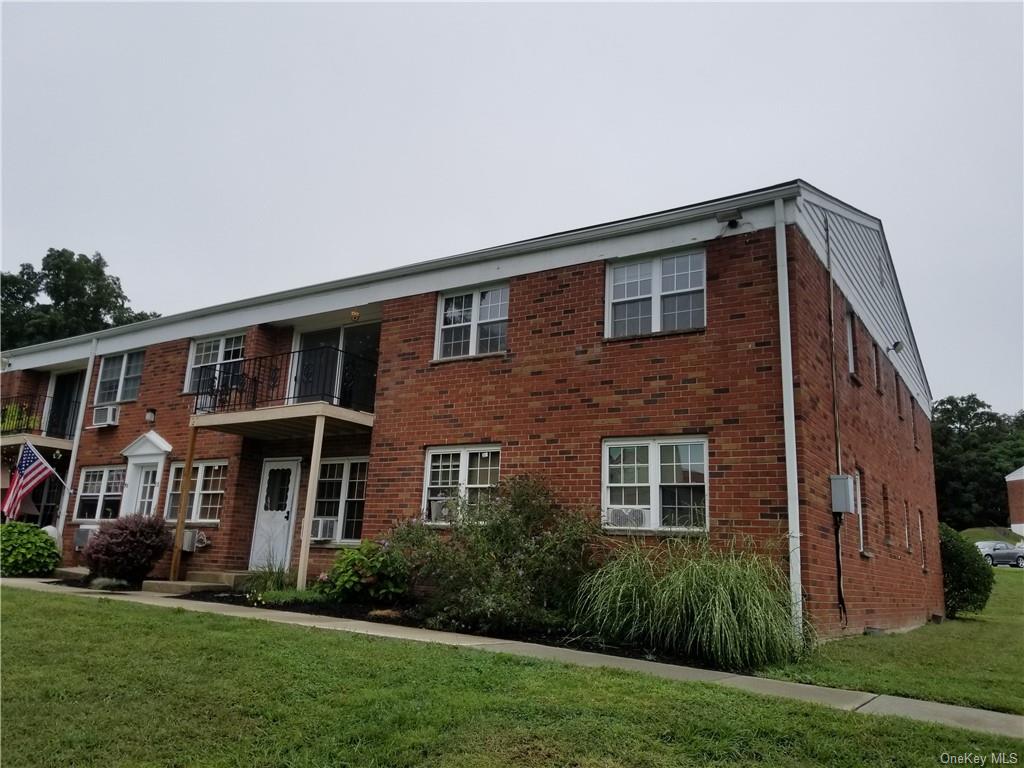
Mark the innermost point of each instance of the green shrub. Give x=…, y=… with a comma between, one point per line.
x=372, y=572
x=275, y=597
x=511, y=563
x=26, y=551
x=127, y=548
x=966, y=577
x=268, y=578
x=728, y=608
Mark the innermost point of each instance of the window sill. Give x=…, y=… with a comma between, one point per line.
x=867, y=554
x=663, y=532
x=194, y=523
x=484, y=356
x=657, y=335
x=856, y=380
x=330, y=544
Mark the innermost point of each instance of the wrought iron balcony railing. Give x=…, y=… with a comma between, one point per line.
x=321, y=374
x=38, y=415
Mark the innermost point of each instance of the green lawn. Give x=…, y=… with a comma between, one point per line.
x=974, y=535
x=974, y=661
x=89, y=682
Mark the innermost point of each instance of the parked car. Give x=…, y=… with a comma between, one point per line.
x=1001, y=553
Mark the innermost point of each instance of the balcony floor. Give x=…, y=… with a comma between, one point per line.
x=40, y=441
x=282, y=422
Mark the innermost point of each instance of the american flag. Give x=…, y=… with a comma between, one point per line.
x=32, y=469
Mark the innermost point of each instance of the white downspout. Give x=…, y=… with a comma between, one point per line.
x=788, y=416
x=82, y=407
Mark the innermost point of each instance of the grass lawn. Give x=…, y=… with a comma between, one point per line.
x=89, y=682
x=974, y=535
x=974, y=661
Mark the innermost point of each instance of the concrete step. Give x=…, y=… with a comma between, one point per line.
x=181, y=587
x=71, y=572
x=230, y=579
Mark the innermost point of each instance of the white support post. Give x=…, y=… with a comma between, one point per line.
x=307, y=511
x=62, y=514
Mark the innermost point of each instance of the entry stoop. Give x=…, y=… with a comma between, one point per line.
x=231, y=579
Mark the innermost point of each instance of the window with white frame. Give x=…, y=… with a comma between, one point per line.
x=906, y=522
x=212, y=360
x=148, y=480
x=99, y=494
x=472, y=323
x=454, y=474
x=206, y=496
x=120, y=377
x=662, y=294
x=851, y=343
x=340, y=499
x=655, y=483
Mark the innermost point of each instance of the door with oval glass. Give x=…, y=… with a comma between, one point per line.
x=275, y=514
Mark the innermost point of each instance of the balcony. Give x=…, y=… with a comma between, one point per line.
x=47, y=421
x=280, y=396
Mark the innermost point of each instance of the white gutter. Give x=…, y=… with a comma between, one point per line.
x=788, y=416
x=79, y=422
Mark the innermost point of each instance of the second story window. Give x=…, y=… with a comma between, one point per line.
x=211, y=357
x=472, y=323
x=120, y=377
x=654, y=295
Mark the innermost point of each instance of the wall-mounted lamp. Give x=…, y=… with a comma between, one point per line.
x=897, y=347
x=355, y=315
x=151, y=416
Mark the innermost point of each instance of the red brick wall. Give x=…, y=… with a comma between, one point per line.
x=562, y=387
x=27, y=384
x=889, y=588
x=1015, y=494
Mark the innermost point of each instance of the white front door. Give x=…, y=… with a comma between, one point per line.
x=275, y=513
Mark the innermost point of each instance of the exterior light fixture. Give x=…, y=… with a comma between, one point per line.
x=151, y=415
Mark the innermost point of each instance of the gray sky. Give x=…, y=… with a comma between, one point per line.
x=215, y=152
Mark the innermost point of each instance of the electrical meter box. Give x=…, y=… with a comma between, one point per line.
x=842, y=494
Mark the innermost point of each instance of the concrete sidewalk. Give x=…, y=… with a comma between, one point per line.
x=837, y=698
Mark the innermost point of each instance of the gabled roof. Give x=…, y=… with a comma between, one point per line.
x=1017, y=474
x=146, y=444
x=855, y=241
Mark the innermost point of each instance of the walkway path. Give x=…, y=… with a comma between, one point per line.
x=855, y=701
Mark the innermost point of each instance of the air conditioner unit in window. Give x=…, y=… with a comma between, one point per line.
x=323, y=528
x=105, y=415
x=439, y=512
x=82, y=536
x=628, y=518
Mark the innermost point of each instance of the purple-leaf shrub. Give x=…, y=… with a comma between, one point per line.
x=127, y=548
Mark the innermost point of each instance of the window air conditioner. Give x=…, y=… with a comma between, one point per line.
x=105, y=415
x=629, y=518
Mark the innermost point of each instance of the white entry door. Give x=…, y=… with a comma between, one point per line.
x=275, y=513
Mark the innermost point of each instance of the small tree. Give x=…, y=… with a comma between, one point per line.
x=966, y=577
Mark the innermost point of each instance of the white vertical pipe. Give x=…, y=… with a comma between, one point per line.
x=788, y=416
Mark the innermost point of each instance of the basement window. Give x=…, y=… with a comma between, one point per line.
x=656, y=295
x=654, y=484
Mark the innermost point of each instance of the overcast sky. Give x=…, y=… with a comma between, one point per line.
x=217, y=152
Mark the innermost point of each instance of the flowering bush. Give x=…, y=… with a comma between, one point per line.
x=26, y=550
x=372, y=571
x=127, y=548
x=510, y=563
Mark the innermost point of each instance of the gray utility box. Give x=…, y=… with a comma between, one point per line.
x=842, y=494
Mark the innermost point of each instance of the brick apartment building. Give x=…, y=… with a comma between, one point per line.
x=699, y=371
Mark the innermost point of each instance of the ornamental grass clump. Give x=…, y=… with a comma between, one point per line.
x=728, y=608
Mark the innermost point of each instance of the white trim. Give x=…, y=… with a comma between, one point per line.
x=653, y=444
x=120, y=378
x=190, y=360
x=48, y=402
x=796, y=595
x=79, y=421
x=341, y=518
x=474, y=320
x=858, y=504
x=196, y=490
x=296, y=462
x=102, y=495
x=463, y=450
x=656, y=295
